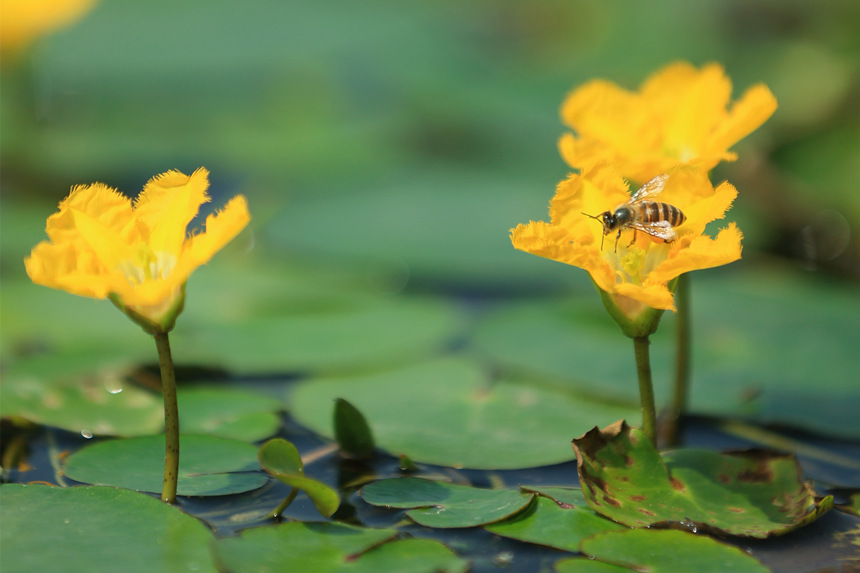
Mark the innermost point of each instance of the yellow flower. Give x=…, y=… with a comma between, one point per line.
x=25, y=20
x=637, y=274
x=679, y=116
x=138, y=254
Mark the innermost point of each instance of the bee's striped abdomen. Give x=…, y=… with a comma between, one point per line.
x=654, y=212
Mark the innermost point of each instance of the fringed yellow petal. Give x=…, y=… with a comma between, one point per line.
x=97, y=201
x=167, y=204
x=221, y=228
x=702, y=253
x=679, y=117
x=104, y=241
x=753, y=109
x=655, y=295
x=710, y=208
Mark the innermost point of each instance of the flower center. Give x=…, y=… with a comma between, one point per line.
x=147, y=265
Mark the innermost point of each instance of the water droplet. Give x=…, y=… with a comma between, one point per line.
x=86, y=433
x=113, y=385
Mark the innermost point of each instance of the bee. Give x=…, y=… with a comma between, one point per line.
x=651, y=217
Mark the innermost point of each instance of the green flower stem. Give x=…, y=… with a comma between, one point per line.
x=678, y=407
x=646, y=387
x=171, y=418
x=276, y=514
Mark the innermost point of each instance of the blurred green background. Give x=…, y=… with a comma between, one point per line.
x=387, y=147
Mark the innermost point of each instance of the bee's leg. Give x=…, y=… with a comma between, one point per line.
x=633, y=240
x=618, y=236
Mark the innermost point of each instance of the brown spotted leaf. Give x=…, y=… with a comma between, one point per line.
x=754, y=493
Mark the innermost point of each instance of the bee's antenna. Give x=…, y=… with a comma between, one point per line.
x=603, y=236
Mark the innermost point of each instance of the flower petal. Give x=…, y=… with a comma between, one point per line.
x=747, y=114
x=167, y=204
x=702, y=253
x=221, y=228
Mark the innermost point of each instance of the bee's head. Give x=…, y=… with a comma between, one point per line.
x=606, y=219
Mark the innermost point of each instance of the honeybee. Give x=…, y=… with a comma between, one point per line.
x=652, y=217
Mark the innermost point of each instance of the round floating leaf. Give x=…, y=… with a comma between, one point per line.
x=401, y=223
x=207, y=465
x=443, y=504
x=447, y=412
x=747, y=354
x=97, y=403
x=228, y=413
x=310, y=547
x=413, y=555
x=359, y=332
x=754, y=493
x=560, y=518
x=281, y=459
x=85, y=529
x=658, y=551
x=351, y=430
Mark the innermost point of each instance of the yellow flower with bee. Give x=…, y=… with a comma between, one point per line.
x=680, y=116
x=636, y=272
x=138, y=254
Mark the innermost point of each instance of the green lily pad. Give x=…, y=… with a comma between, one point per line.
x=97, y=403
x=85, y=529
x=559, y=518
x=657, y=551
x=359, y=332
x=400, y=222
x=281, y=459
x=754, y=493
x=207, y=465
x=438, y=504
x=351, y=430
x=332, y=547
x=748, y=359
x=413, y=555
x=447, y=412
x=228, y=413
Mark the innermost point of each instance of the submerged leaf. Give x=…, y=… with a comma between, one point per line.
x=755, y=493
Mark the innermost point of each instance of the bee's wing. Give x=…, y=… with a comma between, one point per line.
x=660, y=229
x=650, y=189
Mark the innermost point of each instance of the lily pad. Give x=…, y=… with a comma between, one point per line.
x=559, y=518
x=332, y=547
x=97, y=402
x=84, y=529
x=438, y=504
x=658, y=551
x=754, y=493
x=448, y=412
x=228, y=413
x=207, y=465
x=356, y=333
x=748, y=357
x=281, y=459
